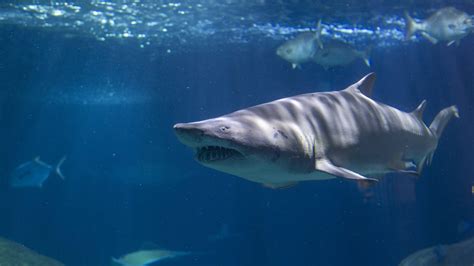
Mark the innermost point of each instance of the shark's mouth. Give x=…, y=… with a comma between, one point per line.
x=215, y=153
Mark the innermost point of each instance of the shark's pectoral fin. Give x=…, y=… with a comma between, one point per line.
x=326, y=166
x=280, y=185
x=430, y=38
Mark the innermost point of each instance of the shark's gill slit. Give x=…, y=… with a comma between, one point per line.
x=215, y=153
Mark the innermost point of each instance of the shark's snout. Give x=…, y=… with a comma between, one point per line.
x=189, y=134
x=207, y=141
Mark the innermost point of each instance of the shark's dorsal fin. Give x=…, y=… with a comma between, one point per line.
x=364, y=85
x=418, y=112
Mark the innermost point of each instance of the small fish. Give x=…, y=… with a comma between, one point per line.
x=447, y=24
x=34, y=173
x=457, y=254
x=146, y=257
x=337, y=53
x=302, y=48
x=223, y=234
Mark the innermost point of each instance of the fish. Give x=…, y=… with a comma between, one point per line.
x=302, y=48
x=223, y=234
x=447, y=24
x=338, y=53
x=317, y=136
x=146, y=257
x=459, y=254
x=34, y=173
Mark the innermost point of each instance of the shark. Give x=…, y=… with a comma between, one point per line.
x=317, y=136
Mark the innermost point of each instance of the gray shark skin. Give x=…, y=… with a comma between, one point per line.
x=447, y=24
x=316, y=136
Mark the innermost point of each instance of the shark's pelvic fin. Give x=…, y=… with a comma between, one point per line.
x=364, y=85
x=280, y=185
x=326, y=166
x=418, y=112
x=406, y=167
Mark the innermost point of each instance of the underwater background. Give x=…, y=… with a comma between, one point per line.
x=107, y=94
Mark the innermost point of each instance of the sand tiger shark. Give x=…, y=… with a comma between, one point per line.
x=317, y=136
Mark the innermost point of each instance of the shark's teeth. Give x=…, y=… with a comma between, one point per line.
x=214, y=153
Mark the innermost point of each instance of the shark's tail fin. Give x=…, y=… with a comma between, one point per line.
x=411, y=26
x=58, y=167
x=437, y=127
x=319, y=30
x=442, y=119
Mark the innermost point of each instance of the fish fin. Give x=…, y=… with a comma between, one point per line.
x=442, y=119
x=411, y=26
x=58, y=167
x=365, y=55
x=319, y=30
x=418, y=112
x=295, y=66
x=450, y=43
x=364, y=85
x=326, y=166
x=406, y=167
x=430, y=38
x=280, y=185
x=117, y=262
x=38, y=161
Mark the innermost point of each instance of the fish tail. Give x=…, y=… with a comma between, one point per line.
x=437, y=127
x=442, y=119
x=411, y=26
x=319, y=30
x=58, y=167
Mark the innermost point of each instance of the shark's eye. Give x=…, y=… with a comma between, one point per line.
x=289, y=51
x=224, y=128
x=452, y=26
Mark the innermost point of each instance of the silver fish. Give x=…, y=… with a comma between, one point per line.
x=317, y=136
x=337, y=53
x=457, y=254
x=146, y=257
x=34, y=173
x=302, y=48
x=447, y=24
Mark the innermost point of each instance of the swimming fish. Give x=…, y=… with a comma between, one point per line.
x=447, y=24
x=223, y=234
x=34, y=173
x=146, y=257
x=458, y=254
x=302, y=48
x=317, y=136
x=338, y=53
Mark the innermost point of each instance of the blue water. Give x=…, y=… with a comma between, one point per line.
x=109, y=104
